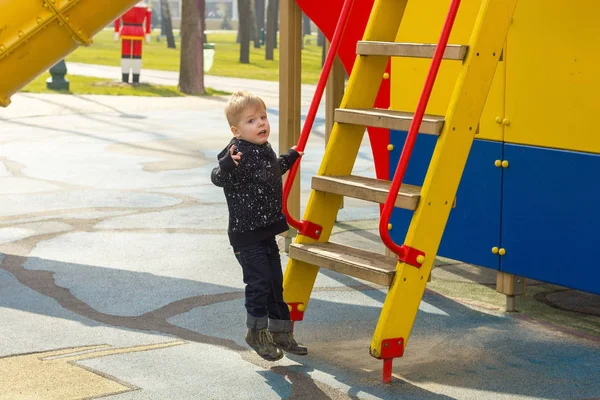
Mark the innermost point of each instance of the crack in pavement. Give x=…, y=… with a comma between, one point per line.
x=43, y=283
x=301, y=385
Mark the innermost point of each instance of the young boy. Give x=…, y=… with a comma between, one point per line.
x=250, y=174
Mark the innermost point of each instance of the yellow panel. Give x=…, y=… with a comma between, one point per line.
x=552, y=75
x=423, y=24
x=36, y=34
x=490, y=125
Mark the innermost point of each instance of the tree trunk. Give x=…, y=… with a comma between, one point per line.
x=276, y=2
x=260, y=14
x=271, y=34
x=191, y=70
x=305, y=25
x=244, y=30
x=167, y=24
x=253, y=25
x=321, y=42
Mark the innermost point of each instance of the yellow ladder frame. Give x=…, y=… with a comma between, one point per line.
x=342, y=148
x=445, y=170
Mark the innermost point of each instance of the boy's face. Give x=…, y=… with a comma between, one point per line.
x=253, y=126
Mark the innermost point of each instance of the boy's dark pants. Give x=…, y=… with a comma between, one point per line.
x=261, y=266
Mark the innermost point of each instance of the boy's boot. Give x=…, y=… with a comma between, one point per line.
x=283, y=337
x=259, y=338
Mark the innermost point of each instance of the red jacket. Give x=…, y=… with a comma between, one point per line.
x=133, y=23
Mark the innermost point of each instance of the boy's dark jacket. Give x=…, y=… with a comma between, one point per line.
x=253, y=190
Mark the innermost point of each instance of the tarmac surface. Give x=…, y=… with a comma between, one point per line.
x=117, y=280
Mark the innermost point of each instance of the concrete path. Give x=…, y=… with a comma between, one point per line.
x=268, y=90
x=117, y=280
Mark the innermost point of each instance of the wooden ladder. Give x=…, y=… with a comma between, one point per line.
x=407, y=275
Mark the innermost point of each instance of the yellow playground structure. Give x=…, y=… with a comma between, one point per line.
x=496, y=112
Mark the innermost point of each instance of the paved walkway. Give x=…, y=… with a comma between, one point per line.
x=117, y=280
x=269, y=90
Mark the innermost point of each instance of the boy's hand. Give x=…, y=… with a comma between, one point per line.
x=299, y=152
x=235, y=155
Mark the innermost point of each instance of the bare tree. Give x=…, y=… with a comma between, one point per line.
x=253, y=25
x=276, y=2
x=306, y=30
x=260, y=14
x=166, y=23
x=244, y=30
x=271, y=34
x=191, y=69
x=323, y=43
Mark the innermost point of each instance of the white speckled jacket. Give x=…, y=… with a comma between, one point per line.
x=253, y=190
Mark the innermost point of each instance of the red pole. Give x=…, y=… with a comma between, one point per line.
x=312, y=111
x=414, y=130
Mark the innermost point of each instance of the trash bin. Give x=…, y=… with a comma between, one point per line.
x=209, y=56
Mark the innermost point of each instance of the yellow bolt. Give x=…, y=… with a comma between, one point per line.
x=504, y=164
x=21, y=33
x=420, y=259
x=498, y=120
x=506, y=122
x=67, y=19
x=39, y=20
x=390, y=147
x=2, y=48
x=301, y=307
x=498, y=163
x=389, y=227
x=386, y=75
x=495, y=250
x=502, y=252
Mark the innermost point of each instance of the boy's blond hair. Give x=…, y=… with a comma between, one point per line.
x=238, y=102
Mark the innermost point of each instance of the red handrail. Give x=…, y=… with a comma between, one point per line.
x=302, y=226
x=413, y=131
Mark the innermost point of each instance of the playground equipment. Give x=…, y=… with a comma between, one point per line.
x=504, y=120
x=517, y=116
x=455, y=131
x=35, y=34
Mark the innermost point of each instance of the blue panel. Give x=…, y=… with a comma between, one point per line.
x=550, y=216
x=415, y=174
x=474, y=225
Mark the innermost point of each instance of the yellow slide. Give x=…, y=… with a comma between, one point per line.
x=35, y=34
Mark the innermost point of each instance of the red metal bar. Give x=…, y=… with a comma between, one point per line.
x=387, y=370
x=414, y=130
x=306, y=227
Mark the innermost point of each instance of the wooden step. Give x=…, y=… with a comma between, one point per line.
x=347, y=260
x=375, y=190
x=388, y=119
x=415, y=50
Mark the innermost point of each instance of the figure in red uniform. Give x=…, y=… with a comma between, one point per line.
x=136, y=25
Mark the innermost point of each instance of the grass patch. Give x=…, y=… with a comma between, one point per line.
x=91, y=85
x=156, y=55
